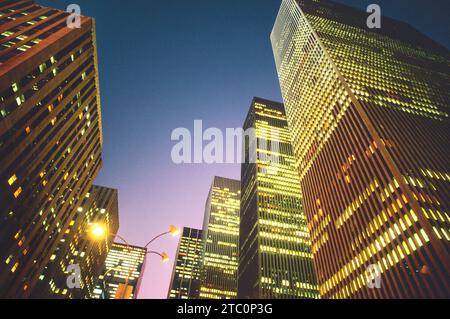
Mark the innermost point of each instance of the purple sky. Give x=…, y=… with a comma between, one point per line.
x=166, y=63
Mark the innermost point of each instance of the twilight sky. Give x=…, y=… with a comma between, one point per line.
x=164, y=64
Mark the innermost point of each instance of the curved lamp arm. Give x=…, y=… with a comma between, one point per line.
x=155, y=253
x=155, y=238
x=172, y=230
x=163, y=255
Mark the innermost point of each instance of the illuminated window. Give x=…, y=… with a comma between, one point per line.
x=20, y=100
x=15, y=87
x=12, y=179
x=18, y=192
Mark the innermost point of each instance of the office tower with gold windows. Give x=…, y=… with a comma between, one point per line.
x=368, y=114
x=221, y=240
x=122, y=274
x=50, y=137
x=275, y=258
x=185, y=283
x=81, y=249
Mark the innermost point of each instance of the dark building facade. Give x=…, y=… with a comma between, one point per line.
x=122, y=275
x=99, y=207
x=275, y=258
x=220, y=253
x=368, y=111
x=185, y=283
x=50, y=137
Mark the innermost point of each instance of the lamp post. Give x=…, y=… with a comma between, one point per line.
x=99, y=231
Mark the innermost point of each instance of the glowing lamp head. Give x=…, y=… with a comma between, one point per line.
x=165, y=257
x=174, y=230
x=98, y=231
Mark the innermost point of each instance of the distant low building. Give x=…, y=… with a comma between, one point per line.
x=123, y=272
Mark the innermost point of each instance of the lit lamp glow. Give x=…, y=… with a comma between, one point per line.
x=98, y=231
x=165, y=257
x=174, y=230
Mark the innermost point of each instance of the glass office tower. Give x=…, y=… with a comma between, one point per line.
x=368, y=113
x=275, y=249
x=185, y=283
x=221, y=240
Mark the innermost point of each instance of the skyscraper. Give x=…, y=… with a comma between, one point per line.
x=50, y=137
x=275, y=249
x=100, y=206
x=185, y=283
x=368, y=113
x=221, y=240
x=122, y=275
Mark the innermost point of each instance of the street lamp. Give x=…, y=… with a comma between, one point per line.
x=99, y=231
